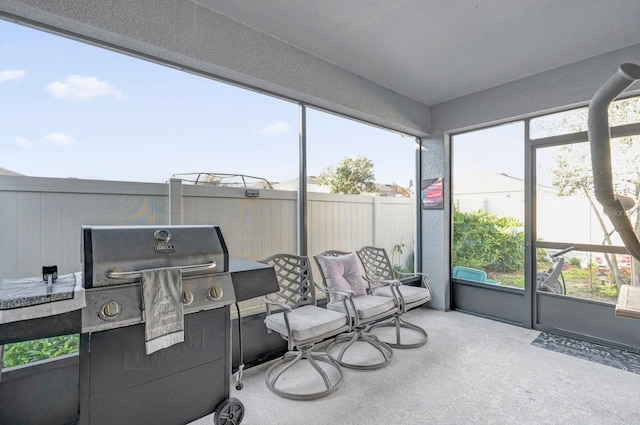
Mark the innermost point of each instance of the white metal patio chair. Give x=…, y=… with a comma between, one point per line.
x=341, y=271
x=294, y=314
x=380, y=275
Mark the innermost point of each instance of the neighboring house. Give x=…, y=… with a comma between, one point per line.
x=492, y=192
x=503, y=195
x=5, y=172
x=292, y=184
x=312, y=186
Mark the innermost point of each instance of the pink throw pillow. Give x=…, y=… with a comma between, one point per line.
x=342, y=272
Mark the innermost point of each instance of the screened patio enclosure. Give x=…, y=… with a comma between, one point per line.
x=433, y=76
x=554, y=79
x=554, y=210
x=461, y=101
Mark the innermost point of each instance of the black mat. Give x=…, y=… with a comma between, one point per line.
x=608, y=356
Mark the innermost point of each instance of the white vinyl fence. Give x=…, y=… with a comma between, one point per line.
x=41, y=219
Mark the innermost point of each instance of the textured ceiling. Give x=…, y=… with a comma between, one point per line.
x=438, y=50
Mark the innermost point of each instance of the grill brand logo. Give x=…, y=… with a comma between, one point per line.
x=163, y=246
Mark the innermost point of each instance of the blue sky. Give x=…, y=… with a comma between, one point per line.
x=70, y=109
x=497, y=149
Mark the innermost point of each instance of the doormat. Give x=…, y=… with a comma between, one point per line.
x=608, y=356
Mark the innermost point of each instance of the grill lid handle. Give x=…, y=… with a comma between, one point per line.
x=112, y=274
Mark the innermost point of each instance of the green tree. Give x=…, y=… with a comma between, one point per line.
x=352, y=176
x=572, y=174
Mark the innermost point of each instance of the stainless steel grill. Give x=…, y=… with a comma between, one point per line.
x=119, y=382
x=115, y=257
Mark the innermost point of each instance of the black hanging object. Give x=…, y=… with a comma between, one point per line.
x=49, y=271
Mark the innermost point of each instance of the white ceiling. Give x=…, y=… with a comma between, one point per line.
x=438, y=50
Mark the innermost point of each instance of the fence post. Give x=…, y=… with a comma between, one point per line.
x=175, y=201
x=376, y=219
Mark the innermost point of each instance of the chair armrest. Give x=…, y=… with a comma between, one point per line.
x=271, y=303
x=423, y=275
x=379, y=282
x=349, y=306
x=423, y=279
x=347, y=300
x=347, y=297
x=286, y=309
x=399, y=298
x=393, y=284
x=344, y=292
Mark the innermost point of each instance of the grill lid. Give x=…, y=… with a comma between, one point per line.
x=113, y=255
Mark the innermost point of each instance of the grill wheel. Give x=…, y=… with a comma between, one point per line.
x=229, y=412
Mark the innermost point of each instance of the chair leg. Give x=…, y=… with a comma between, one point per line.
x=280, y=367
x=399, y=324
x=343, y=342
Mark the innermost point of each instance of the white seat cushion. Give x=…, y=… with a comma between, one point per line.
x=411, y=294
x=307, y=322
x=366, y=305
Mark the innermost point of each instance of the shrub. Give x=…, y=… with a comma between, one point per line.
x=19, y=353
x=488, y=242
x=608, y=290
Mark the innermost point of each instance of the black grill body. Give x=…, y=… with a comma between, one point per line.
x=119, y=382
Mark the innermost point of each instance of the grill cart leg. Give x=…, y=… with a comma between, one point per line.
x=238, y=374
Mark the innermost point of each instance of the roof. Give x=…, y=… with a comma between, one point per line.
x=382, y=189
x=5, y=172
x=485, y=181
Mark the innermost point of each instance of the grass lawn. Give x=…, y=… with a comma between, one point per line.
x=580, y=283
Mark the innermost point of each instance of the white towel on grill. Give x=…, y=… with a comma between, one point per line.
x=163, y=314
x=31, y=297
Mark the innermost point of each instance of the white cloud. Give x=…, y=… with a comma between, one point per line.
x=12, y=74
x=59, y=139
x=80, y=88
x=22, y=142
x=274, y=129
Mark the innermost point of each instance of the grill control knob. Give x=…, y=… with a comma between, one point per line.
x=110, y=310
x=187, y=297
x=215, y=293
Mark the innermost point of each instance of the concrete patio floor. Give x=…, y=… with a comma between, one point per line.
x=472, y=371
